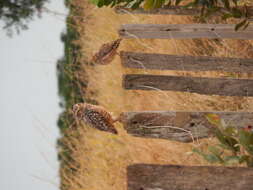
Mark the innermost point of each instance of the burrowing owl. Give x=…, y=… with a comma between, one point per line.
x=95, y=116
x=107, y=52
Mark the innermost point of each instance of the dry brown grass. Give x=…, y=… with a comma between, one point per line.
x=100, y=159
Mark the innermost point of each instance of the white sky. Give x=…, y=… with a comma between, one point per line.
x=29, y=104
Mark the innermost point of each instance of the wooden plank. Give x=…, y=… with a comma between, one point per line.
x=185, y=63
x=175, y=177
x=172, y=10
x=184, y=31
x=175, y=10
x=201, y=85
x=179, y=126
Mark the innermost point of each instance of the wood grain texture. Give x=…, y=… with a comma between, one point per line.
x=172, y=10
x=184, y=31
x=144, y=123
x=185, y=63
x=201, y=85
x=174, y=177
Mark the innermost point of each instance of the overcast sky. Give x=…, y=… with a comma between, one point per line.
x=29, y=104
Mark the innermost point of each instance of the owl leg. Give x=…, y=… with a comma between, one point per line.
x=115, y=119
x=119, y=118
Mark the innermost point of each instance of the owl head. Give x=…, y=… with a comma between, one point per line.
x=78, y=110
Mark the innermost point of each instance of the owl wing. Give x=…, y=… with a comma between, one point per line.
x=108, y=47
x=104, y=113
x=100, y=119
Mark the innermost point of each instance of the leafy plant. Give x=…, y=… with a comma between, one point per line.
x=70, y=89
x=237, y=143
x=224, y=8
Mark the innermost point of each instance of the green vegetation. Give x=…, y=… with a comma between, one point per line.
x=16, y=14
x=68, y=84
x=235, y=145
x=224, y=8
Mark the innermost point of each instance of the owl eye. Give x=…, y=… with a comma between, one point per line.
x=75, y=108
x=79, y=114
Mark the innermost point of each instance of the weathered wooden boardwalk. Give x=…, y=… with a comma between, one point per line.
x=179, y=126
x=184, y=31
x=157, y=61
x=201, y=85
x=173, y=177
x=185, y=126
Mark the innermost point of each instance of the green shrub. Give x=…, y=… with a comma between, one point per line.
x=237, y=142
x=225, y=8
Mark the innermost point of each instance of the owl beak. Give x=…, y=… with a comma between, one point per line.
x=75, y=109
x=74, y=113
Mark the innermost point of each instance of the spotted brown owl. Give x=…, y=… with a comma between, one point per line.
x=95, y=116
x=107, y=52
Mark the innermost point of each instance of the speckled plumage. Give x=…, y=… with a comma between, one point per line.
x=95, y=116
x=107, y=52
